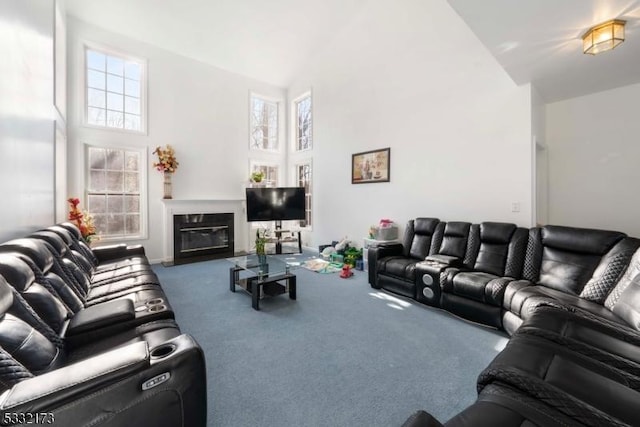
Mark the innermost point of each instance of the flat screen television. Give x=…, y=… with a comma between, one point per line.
x=275, y=204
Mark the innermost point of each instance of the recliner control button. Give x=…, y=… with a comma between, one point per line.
x=156, y=381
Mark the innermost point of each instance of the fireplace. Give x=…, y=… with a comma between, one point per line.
x=199, y=237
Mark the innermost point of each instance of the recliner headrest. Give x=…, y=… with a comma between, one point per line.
x=16, y=272
x=65, y=234
x=496, y=232
x=425, y=225
x=73, y=229
x=457, y=229
x=582, y=240
x=35, y=249
x=6, y=296
x=53, y=239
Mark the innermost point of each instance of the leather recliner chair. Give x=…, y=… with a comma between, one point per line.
x=562, y=368
x=128, y=384
x=393, y=267
x=476, y=293
x=43, y=308
x=567, y=266
x=574, y=318
x=46, y=261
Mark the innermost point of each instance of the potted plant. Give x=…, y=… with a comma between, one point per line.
x=257, y=176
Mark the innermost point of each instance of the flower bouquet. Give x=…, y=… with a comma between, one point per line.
x=83, y=219
x=166, y=159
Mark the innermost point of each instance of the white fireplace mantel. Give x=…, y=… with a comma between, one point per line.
x=235, y=205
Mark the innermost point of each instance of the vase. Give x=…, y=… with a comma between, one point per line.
x=262, y=259
x=167, y=185
x=263, y=266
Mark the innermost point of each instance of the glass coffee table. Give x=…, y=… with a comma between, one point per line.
x=260, y=276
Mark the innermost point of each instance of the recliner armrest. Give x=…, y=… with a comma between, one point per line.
x=47, y=390
x=511, y=290
x=451, y=261
x=111, y=252
x=378, y=252
x=101, y=315
x=387, y=249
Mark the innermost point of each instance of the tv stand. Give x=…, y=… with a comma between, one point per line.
x=285, y=236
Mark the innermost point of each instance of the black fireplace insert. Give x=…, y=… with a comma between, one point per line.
x=199, y=237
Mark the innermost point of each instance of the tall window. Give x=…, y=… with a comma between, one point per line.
x=303, y=123
x=264, y=124
x=114, y=91
x=114, y=180
x=303, y=179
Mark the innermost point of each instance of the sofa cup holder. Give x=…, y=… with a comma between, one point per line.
x=157, y=307
x=427, y=280
x=428, y=293
x=155, y=301
x=162, y=351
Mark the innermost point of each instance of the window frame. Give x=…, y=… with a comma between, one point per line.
x=143, y=186
x=294, y=121
x=296, y=164
x=278, y=103
x=88, y=45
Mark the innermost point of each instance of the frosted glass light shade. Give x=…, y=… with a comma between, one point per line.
x=603, y=37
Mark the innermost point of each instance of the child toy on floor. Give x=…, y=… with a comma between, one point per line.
x=346, y=271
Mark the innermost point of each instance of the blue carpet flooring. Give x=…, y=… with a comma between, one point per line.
x=343, y=354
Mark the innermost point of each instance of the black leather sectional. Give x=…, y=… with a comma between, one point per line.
x=87, y=337
x=569, y=298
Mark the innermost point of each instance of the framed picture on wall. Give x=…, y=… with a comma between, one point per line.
x=371, y=166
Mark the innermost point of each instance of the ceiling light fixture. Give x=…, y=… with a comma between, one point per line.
x=603, y=37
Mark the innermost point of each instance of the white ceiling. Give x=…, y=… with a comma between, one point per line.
x=535, y=41
x=265, y=39
x=540, y=41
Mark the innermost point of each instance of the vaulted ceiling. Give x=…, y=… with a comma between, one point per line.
x=540, y=41
x=265, y=39
x=536, y=41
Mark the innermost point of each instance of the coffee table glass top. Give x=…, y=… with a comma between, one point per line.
x=274, y=265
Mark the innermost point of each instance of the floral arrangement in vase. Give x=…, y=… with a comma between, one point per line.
x=167, y=164
x=166, y=159
x=83, y=219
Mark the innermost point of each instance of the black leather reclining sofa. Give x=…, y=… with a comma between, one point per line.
x=87, y=337
x=569, y=298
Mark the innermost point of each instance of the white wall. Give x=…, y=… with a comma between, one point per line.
x=411, y=75
x=60, y=111
x=202, y=111
x=26, y=116
x=593, y=160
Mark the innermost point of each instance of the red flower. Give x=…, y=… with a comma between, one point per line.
x=84, y=221
x=75, y=215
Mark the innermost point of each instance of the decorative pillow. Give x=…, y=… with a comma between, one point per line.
x=628, y=305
